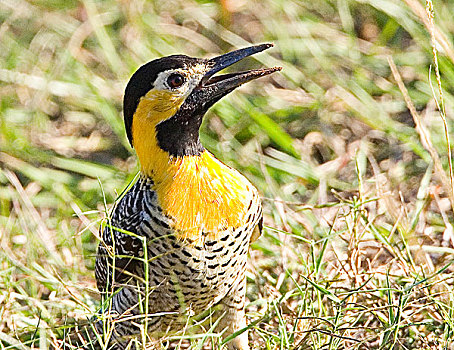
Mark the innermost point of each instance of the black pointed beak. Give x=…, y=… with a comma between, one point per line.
x=179, y=135
x=226, y=60
x=215, y=87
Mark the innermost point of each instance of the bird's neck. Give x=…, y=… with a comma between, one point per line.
x=200, y=194
x=161, y=132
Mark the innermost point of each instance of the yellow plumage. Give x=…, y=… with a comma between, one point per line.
x=203, y=195
x=199, y=193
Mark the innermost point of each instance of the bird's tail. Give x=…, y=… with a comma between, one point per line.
x=96, y=335
x=84, y=336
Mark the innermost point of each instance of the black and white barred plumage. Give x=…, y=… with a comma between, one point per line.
x=183, y=278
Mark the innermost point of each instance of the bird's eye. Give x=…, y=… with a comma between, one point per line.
x=175, y=80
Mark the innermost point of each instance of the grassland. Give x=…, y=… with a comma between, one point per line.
x=348, y=146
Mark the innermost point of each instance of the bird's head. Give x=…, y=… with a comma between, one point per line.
x=166, y=99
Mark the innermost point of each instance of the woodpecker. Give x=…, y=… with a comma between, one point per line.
x=176, y=242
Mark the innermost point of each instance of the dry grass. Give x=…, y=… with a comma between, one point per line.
x=348, y=147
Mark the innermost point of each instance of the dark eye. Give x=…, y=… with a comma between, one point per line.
x=175, y=80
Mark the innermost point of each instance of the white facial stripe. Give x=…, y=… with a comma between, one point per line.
x=193, y=75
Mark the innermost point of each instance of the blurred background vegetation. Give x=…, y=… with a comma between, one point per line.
x=357, y=191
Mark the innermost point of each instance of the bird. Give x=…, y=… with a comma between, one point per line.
x=176, y=241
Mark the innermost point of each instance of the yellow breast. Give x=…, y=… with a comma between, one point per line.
x=202, y=195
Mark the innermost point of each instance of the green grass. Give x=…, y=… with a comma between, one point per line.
x=358, y=247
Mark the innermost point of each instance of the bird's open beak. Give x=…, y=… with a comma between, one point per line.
x=215, y=87
x=182, y=130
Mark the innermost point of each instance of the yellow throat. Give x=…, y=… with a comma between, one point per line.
x=200, y=194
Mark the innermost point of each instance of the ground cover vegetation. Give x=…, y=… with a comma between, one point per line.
x=348, y=145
